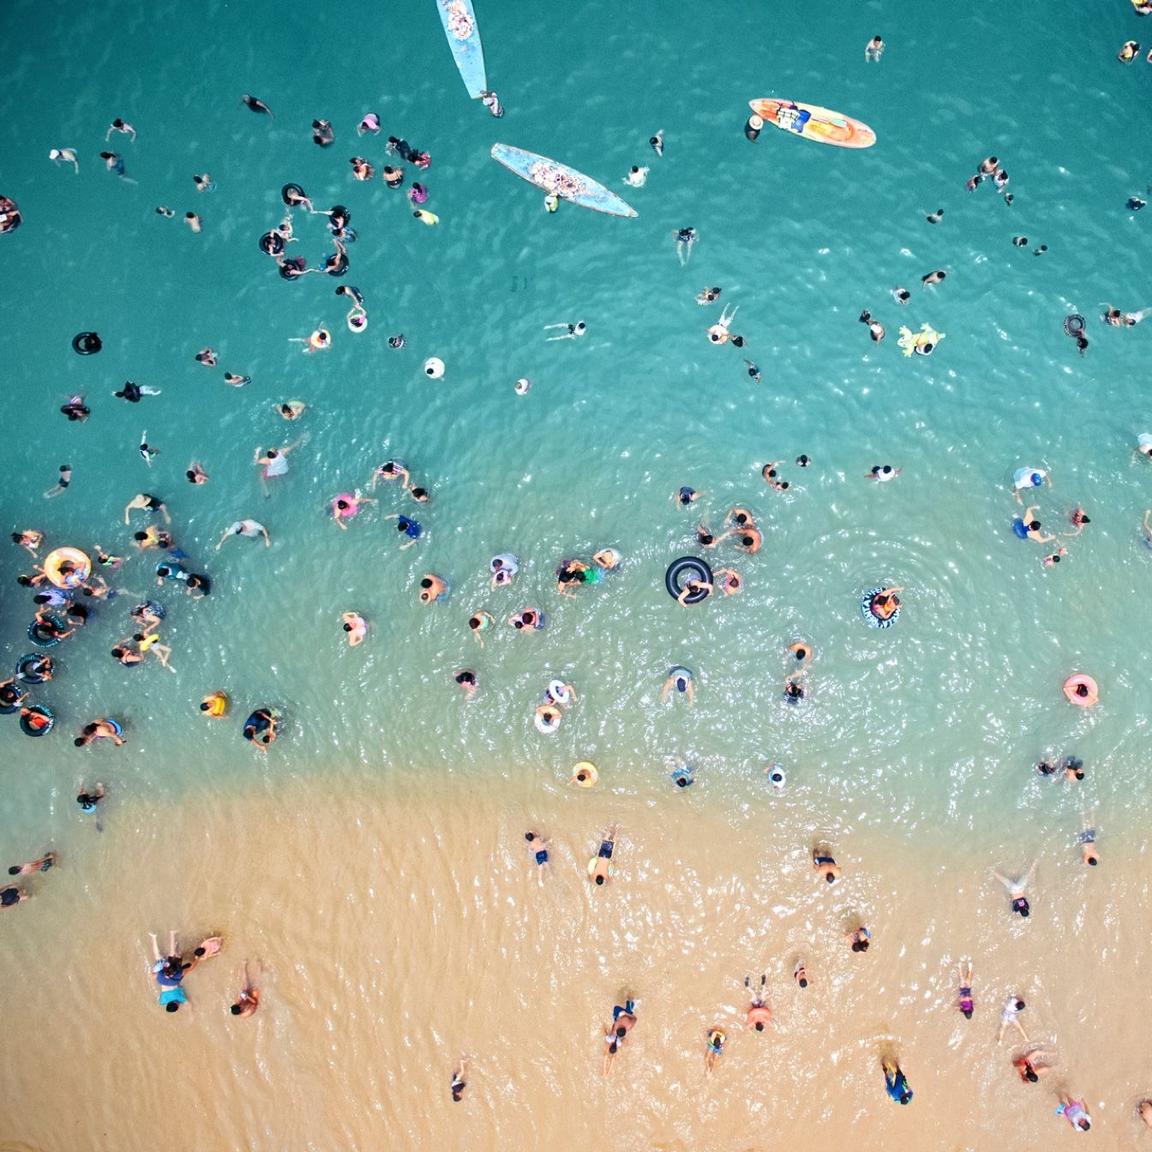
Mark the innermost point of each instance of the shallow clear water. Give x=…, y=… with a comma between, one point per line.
x=922, y=734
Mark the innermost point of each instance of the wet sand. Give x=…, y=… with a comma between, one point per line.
x=402, y=924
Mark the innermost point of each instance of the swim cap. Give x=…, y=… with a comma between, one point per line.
x=1037, y=479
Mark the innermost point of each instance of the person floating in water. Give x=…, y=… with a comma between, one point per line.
x=895, y=1082
x=1031, y=1064
x=600, y=867
x=67, y=155
x=169, y=971
x=714, y=1049
x=121, y=126
x=759, y=1015
x=538, y=846
x=964, y=999
x=685, y=241
x=571, y=331
x=43, y=864
x=1074, y=1112
x=680, y=680
x=262, y=727
x=1087, y=842
x=252, y=529
x=459, y=1080
x=824, y=864
x=1017, y=889
x=1010, y=1017
x=873, y=50
x=256, y=105
x=623, y=1021
x=249, y=999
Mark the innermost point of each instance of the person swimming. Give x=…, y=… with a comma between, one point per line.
x=680, y=680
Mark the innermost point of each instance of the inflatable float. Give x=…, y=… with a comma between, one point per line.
x=585, y=774
x=67, y=567
x=922, y=343
x=45, y=633
x=35, y=668
x=685, y=569
x=36, y=720
x=12, y=696
x=1082, y=691
x=560, y=180
x=814, y=123
x=870, y=616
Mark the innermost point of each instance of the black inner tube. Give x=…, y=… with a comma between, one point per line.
x=27, y=728
x=685, y=569
x=26, y=668
x=85, y=343
x=292, y=188
x=1073, y=324
x=272, y=243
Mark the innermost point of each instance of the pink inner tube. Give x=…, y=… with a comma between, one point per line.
x=353, y=508
x=1081, y=690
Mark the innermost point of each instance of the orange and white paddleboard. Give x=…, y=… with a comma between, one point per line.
x=814, y=123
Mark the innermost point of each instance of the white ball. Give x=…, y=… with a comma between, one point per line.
x=434, y=367
x=522, y=385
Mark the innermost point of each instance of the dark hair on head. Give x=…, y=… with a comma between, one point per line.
x=79, y=742
x=599, y=879
x=967, y=1013
x=783, y=485
x=139, y=535
x=830, y=877
x=172, y=1006
x=803, y=981
x=117, y=652
x=621, y=1032
x=858, y=945
x=235, y=1009
x=137, y=636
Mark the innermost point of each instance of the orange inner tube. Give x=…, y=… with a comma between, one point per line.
x=1082, y=691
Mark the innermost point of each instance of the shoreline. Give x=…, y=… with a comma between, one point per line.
x=400, y=930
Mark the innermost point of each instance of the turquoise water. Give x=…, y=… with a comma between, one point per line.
x=930, y=725
x=801, y=237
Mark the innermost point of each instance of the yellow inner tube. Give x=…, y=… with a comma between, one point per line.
x=585, y=774
x=81, y=567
